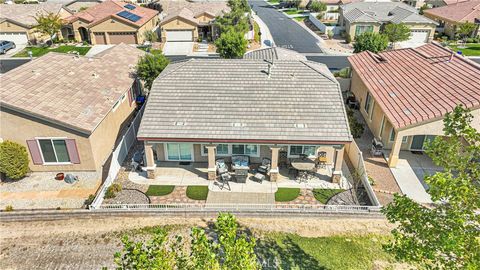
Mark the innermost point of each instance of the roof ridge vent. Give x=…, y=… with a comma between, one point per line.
x=179, y=123
x=300, y=125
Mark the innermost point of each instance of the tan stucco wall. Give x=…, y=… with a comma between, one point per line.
x=178, y=24
x=104, y=136
x=20, y=129
x=12, y=27
x=205, y=18
x=350, y=28
x=434, y=127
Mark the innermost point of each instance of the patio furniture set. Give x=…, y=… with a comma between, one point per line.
x=240, y=167
x=304, y=168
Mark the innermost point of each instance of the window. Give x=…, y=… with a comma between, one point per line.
x=245, y=149
x=368, y=103
x=392, y=135
x=381, y=127
x=296, y=150
x=360, y=29
x=221, y=150
x=373, y=109
x=115, y=106
x=54, y=150
x=179, y=152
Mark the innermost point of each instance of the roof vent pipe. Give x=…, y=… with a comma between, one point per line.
x=451, y=56
x=269, y=71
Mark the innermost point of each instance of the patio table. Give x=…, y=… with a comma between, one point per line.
x=303, y=166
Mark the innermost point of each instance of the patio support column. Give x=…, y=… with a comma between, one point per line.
x=397, y=144
x=150, y=161
x=212, y=170
x=337, y=167
x=274, y=166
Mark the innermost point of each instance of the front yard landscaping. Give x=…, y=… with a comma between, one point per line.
x=294, y=11
x=286, y=194
x=155, y=190
x=39, y=51
x=324, y=195
x=197, y=192
x=274, y=2
x=299, y=19
x=471, y=49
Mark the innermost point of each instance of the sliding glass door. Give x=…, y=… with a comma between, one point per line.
x=180, y=151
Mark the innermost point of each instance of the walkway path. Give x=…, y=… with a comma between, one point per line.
x=410, y=184
x=266, y=36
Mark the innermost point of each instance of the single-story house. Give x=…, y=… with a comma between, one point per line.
x=191, y=21
x=333, y=8
x=202, y=109
x=405, y=94
x=17, y=21
x=68, y=110
x=111, y=22
x=274, y=53
x=361, y=17
x=451, y=16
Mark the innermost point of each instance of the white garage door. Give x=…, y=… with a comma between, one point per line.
x=417, y=38
x=181, y=35
x=18, y=38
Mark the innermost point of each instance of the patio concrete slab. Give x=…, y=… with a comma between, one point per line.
x=248, y=187
x=409, y=182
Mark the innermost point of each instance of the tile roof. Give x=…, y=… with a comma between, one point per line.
x=236, y=99
x=380, y=12
x=107, y=9
x=25, y=13
x=466, y=11
x=73, y=91
x=174, y=7
x=274, y=53
x=416, y=85
x=184, y=13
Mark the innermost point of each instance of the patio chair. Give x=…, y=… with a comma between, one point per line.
x=221, y=165
x=321, y=160
x=264, y=168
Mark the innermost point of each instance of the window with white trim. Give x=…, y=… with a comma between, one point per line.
x=245, y=149
x=54, y=150
x=220, y=150
x=296, y=150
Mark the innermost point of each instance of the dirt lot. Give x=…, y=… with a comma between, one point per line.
x=91, y=243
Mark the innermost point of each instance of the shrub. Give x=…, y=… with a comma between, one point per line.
x=112, y=190
x=330, y=34
x=13, y=160
x=317, y=6
x=8, y=208
x=356, y=127
x=348, y=38
x=371, y=181
x=370, y=41
x=89, y=200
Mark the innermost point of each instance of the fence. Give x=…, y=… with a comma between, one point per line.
x=310, y=208
x=118, y=156
x=324, y=28
x=356, y=157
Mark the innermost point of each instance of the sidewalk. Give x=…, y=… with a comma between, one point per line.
x=267, y=39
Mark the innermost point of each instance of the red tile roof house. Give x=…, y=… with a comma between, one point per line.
x=68, y=110
x=450, y=16
x=404, y=94
x=111, y=22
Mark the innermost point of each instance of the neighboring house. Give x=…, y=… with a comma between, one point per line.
x=275, y=53
x=17, y=21
x=451, y=16
x=333, y=8
x=404, y=94
x=111, y=22
x=190, y=21
x=68, y=110
x=200, y=109
x=358, y=18
x=80, y=5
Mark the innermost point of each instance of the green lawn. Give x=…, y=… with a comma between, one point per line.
x=256, y=29
x=273, y=2
x=300, y=19
x=39, y=51
x=472, y=49
x=286, y=194
x=336, y=252
x=197, y=192
x=155, y=190
x=323, y=195
x=293, y=11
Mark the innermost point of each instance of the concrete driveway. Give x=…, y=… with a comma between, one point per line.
x=12, y=52
x=178, y=48
x=286, y=32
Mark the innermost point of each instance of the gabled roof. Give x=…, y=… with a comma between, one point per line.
x=466, y=11
x=417, y=85
x=111, y=9
x=24, y=14
x=72, y=91
x=184, y=13
x=237, y=100
x=171, y=8
x=382, y=12
x=274, y=53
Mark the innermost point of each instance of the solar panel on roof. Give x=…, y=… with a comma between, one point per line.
x=129, y=6
x=129, y=16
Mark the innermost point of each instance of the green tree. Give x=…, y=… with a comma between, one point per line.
x=230, y=250
x=370, y=41
x=231, y=44
x=150, y=35
x=396, y=32
x=423, y=8
x=239, y=5
x=466, y=29
x=13, y=159
x=150, y=66
x=445, y=235
x=48, y=24
x=317, y=6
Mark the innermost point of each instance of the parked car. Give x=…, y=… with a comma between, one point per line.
x=5, y=46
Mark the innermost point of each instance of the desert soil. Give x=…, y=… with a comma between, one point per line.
x=91, y=243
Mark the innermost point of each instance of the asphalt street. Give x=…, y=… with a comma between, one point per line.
x=286, y=33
